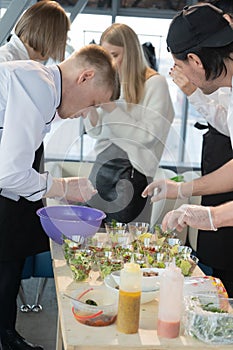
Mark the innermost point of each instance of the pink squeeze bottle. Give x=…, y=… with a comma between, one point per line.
x=170, y=302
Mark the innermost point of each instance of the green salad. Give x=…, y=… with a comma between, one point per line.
x=111, y=258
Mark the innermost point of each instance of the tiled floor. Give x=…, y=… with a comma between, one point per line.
x=39, y=328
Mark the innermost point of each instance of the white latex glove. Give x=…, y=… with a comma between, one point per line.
x=72, y=189
x=195, y=216
x=160, y=189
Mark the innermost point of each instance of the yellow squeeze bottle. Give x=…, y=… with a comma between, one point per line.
x=129, y=298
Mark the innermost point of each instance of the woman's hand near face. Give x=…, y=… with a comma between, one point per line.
x=182, y=81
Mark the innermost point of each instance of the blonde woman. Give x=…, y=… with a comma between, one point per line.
x=131, y=132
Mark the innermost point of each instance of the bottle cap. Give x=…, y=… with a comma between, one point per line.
x=172, y=269
x=132, y=267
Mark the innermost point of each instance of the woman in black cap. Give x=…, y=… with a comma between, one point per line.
x=216, y=151
x=203, y=53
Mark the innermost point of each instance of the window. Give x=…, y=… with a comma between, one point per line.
x=184, y=142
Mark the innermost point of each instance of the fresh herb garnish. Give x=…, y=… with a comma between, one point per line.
x=210, y=307
x=178, y=178
x=114, y=223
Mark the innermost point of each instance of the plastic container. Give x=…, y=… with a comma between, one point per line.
x=70, y=220
x=170, y=302
x=150, y=278
x=209, y=317
x=129, y=298
x=94, y=306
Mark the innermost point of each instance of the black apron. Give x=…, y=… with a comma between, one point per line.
x=215, y=248
x=21, y=233
x=119, y=187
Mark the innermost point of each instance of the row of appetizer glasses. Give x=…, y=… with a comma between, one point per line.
x=119, y=243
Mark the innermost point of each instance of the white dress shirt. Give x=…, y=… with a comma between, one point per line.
x=13, y=50
x=214, y=107
x=29, y=96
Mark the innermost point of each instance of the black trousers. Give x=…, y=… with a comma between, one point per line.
x=10, y=272
x=21, y=235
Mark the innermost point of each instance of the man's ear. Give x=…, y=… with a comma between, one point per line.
x=86, y=75
x=193, y=59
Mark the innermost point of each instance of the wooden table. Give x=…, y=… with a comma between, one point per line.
x=72, y=335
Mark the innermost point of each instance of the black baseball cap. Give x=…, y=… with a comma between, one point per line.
x=200, y=25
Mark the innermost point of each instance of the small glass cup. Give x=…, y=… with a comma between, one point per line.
x=103, y=240
x=110, y=262
x=138, y=228
x=159, y=233
x=115, y=227
x=194, y=262
x=117, y=233
x=80, y=264
x=69, y=248
x=140, y=259
x=173, y=241
x=94, y=275
x=185, y=251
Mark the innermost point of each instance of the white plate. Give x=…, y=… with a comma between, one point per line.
x=146, y=297
x=149, y=284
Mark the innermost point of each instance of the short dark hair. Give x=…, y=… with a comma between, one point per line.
x=212, y=59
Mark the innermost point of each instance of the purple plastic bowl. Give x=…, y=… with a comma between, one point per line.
x=70, y=220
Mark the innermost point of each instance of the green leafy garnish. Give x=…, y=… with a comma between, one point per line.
x=210, y=307
x=114, y=223
x=178, y=178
